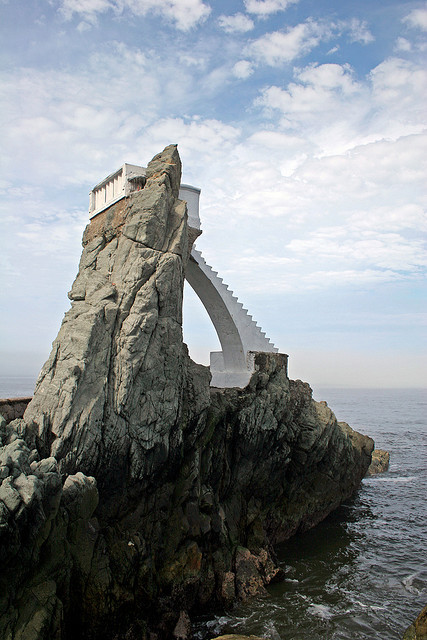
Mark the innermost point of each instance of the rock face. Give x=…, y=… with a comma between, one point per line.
x=11, y=408
x=195, y=484
x=45, y=537
x=380, y=462
x=234, y=636
x=109, y=399
x=418, y=629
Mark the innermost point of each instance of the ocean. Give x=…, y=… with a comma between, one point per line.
x=17, y=387
x=362, y=573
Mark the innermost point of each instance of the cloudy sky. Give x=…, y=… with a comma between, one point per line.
x=302, y=121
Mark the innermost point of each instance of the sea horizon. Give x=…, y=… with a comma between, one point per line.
x=18, y=386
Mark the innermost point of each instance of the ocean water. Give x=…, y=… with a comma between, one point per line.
x=17, y=387
x=362, y=573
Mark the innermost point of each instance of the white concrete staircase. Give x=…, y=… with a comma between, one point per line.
x=237, y=331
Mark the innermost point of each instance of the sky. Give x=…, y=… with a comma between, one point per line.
x=303, y=122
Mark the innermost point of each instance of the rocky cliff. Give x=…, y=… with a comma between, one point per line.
x=133, y=493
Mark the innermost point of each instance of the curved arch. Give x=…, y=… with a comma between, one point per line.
x=238, y=333
x=232, y=347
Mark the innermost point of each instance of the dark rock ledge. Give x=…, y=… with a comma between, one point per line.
x=132, y=493
x=11, y=408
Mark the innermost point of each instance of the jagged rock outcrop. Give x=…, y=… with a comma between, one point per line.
x=195, y=483
x=418, y=629
x=379, y=463
x=237, y=636
x=109, y=399
x=44, y=536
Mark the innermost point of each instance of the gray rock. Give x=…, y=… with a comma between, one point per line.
x=9, y=495
x=418, y=629
x=380, y=462
x=183, y=627
x=29, y=488
x=238, y=636
x=118, y=361
x=80, y=496
x=47, y=465
x=11, y=408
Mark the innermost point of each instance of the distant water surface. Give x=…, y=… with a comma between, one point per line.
x=17, y=387
x=362, y=573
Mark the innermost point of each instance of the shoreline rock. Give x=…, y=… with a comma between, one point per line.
x=380, y=462
x=418, y=629
x=156, y=495
x=234, y=636
x=12, y=408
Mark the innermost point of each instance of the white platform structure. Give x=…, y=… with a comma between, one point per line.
x=239, y=335
x=116, y=186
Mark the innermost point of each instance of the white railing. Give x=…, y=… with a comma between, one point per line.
x=116, y=186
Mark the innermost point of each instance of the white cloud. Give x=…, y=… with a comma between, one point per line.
x=69, y=127
x=205, y=139
x=238, y=23
x=383, y=251
x=358, y=31
x=84, y=26
x=410, y=216
x=266, y=7
x=400, y=80
x=351, y=220
x=243, y=69
x=337, y=112
x=283, y=46
x=329, y=77
x=417, y=19
x=185, y=14
x=192, y=61
x=311, y=162
x=402, y=44
x=278, y=47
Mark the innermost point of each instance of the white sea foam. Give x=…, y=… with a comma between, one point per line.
x=408, y=583
x=361, y=604
x=271, y=631
x=320, y=610
x=218, y=621
x=390, y=479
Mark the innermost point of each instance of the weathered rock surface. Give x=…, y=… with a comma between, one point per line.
x=237, y=636
x=418, y=629
x=380, y=462
x=109, y=398
x=12, y=408
x=43, y=537
x=195, y=484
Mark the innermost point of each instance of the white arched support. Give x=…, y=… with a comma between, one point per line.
x=238, y=333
